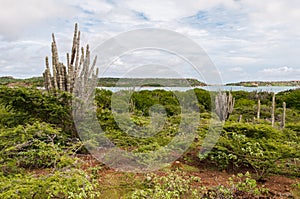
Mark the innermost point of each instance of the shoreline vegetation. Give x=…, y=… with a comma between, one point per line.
x=149, y=82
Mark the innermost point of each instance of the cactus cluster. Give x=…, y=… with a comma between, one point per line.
x=63, y=77
x=224, y=105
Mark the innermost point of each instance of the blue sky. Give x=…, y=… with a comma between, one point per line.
x=246, y=39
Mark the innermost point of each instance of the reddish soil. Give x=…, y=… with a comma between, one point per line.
x=278, y=186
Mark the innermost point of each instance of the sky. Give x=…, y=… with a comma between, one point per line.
x=247, y=40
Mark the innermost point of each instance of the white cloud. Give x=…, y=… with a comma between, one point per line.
x=282, y=73
x=236, y=34
x=93, y=6
x=23, y=58
x=236, y=69
x=168, y=10
x=157, y=62
x=280, y=70
x=16, y=16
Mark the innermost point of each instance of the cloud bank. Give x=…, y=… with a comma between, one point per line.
x=246, y=39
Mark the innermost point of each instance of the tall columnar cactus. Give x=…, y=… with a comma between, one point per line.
x=258, y=109
x=273, y=110
x=224, y=105
x=78, y=66
x=283, y=115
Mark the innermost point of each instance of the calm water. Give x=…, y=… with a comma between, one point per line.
x=275, y=89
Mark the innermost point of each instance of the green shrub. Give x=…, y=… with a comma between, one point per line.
x=239, y=186
x=173, y=185
x=103, y=98
x=43, y=107
x=290, y=97
x=72, y=183
x=257, y=131
x=33, y=146
x=257, y=147
x=178, y=184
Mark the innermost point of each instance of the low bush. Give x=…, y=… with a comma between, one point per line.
x=258, y=147
x=175, y=184
x=33, y=104
x=72, y=183
x=33, y=146
x=179, y=184
x=238, y=186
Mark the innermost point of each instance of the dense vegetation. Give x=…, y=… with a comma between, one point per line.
x=39, y=145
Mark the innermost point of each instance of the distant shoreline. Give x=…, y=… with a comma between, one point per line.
x=265, y=83
x=149, y=82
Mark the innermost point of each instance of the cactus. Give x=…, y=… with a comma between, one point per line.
x=240, y=118
x=78, y=66
x=273, y=110
x=224, y=105
x=283, y=115
x=258, y=110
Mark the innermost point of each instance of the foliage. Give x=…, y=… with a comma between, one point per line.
x=178, y=184
x=204, y=99
x=32, y=146
x=71, y=183
x=103, y=98
x=254, y=145
x=39, y=146
x=142, y=101
x=241, y=185
x=295, y=127
x=173, y=185
x=244, y=182
x=10, y=119
x=257, y=147
x=296, y=190
x=35, y=134
x=290, y=97
x=32, y=103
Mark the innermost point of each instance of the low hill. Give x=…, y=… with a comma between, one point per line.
x=152, y=82
x=110, y=82
x=11, y=81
